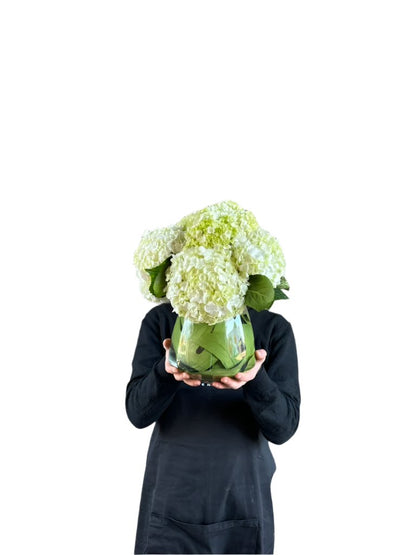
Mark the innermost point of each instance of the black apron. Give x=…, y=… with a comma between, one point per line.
x=206, y=487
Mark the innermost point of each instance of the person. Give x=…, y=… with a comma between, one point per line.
x=206, y=486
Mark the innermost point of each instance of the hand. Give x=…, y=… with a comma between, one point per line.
x=179, y=375
x=242, y=378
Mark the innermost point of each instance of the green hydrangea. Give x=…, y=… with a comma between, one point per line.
x=217, y=225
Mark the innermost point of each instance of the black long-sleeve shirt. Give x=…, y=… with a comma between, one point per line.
x=273, y=396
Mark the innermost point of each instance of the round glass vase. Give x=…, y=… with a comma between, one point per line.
x=210, y=352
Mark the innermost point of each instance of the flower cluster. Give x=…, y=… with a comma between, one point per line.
x=203, y=264
x=217, y=225
x=155, y=247
x=204, y=285
x=259, y=253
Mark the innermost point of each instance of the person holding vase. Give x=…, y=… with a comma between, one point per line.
x=206, y=487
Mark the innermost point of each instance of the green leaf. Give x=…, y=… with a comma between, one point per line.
x=278, y=294
x=260, y=293
x=283, y=284
x=158, y=278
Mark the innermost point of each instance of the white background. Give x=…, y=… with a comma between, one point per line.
x=117, y=117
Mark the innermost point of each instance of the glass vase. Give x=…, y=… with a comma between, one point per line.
x=210, y=352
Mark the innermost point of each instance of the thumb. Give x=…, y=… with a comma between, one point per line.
x=167, y=344
x=261, y=355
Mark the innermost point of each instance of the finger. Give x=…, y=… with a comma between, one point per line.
x=241, y=377
x=192, y=383
x=180, y=376
x=231, y=383
x=219, y=385
x=172, y=369
x=248, y=375
x=261, y=355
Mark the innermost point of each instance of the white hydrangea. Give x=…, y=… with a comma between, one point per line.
x=259, y=253
x=204, y=285
x=154, y=248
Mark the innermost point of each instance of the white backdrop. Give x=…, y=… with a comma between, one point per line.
x=117, y=117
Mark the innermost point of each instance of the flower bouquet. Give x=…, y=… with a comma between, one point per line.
x=211, y=266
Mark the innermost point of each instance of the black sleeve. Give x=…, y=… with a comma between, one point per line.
x=150, y=389
x=274, y=394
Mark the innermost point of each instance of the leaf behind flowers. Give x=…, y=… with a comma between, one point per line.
x=157, y=275
x=278, y=293
x=260, y=293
